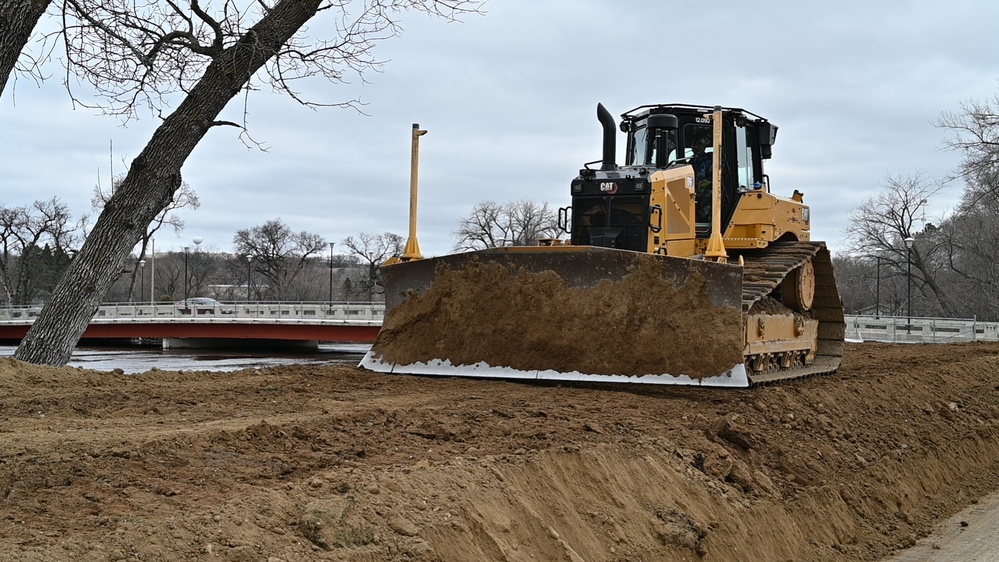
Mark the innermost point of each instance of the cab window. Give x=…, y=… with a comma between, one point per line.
x=640, y=152
x=745, y=159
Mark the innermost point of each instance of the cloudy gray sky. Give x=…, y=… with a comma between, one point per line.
x=509, y=101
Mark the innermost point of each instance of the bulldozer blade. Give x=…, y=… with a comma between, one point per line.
x=734, y=378
x=564, y=313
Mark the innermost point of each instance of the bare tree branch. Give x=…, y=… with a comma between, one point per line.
x=373, y=250
x=974, y=132
x=141, y=53
x=17, y=23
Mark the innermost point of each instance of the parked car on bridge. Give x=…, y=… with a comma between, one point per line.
x=203, y=305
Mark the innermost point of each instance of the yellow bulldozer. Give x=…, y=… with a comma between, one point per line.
x=680, y=267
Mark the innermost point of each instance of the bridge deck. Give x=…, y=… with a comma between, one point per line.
x=341, y=322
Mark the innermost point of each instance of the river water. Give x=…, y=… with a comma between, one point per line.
x=139, y=359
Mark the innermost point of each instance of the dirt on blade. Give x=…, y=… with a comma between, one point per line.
x=476, y=313
x=305, y=463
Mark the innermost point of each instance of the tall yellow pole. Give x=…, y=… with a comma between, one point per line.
x=716, y=246
x=412, y=251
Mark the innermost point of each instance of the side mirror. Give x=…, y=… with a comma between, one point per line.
x=768, y=136
x=564, y=218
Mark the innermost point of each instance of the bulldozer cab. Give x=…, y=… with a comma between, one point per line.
x=615, y=207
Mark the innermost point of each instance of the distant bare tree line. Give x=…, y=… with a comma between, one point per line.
x=518, y=223
x=35, y=245
x=953, y=259
x=269, y=262
x=230, y=277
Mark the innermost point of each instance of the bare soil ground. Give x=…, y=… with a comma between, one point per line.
x=304, y=463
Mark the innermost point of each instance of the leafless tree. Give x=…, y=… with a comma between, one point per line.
x=971, y=233
x=148, y=54
x=184, y=197
x=868, y=289
x=167, y=279
x=373, y=250
x=278, y=253
x=974, y=132
x=884, y=222
x=24, y=232
x=491, y=225
x=971, y=236
x=953, y=258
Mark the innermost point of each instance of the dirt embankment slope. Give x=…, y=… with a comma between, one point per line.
x=341, y=464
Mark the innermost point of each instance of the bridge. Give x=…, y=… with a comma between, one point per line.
x=305, y=324
x=285, y=324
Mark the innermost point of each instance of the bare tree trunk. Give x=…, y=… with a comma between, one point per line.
x=944, y=304
x=17, y=21
x=150, y=184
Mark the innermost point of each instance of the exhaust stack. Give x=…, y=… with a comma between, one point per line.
x=610, y=137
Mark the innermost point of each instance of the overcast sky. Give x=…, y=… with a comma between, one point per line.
x=509, y=99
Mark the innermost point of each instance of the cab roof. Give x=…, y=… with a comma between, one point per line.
x=643, y=111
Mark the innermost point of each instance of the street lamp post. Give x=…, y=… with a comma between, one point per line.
x=197, y=245
x=908, y=291
x=330, y=303
x=877, y=292
x=142, y=280
x=249, y=260
x=186, y=250
x=152, y=271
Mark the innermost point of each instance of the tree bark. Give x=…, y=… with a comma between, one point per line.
x=150, y=184
x=18, y=19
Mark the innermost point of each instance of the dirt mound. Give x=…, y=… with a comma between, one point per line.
x=305, y=463
x=476, y=313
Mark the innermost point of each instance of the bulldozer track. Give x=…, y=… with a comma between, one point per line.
x=765, y=270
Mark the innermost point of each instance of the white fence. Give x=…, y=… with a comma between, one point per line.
x=352, y=313
x=919, y=330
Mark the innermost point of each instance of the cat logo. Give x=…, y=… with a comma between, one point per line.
x=608, y=187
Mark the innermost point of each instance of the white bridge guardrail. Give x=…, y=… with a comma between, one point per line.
x=858, y=328
x=349, y=313
x=919, y=330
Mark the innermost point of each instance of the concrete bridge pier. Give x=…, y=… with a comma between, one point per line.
x=229, y=343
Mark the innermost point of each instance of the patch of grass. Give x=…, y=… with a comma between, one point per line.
x=353, y=535
x=328, y=530
x=311, y=527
